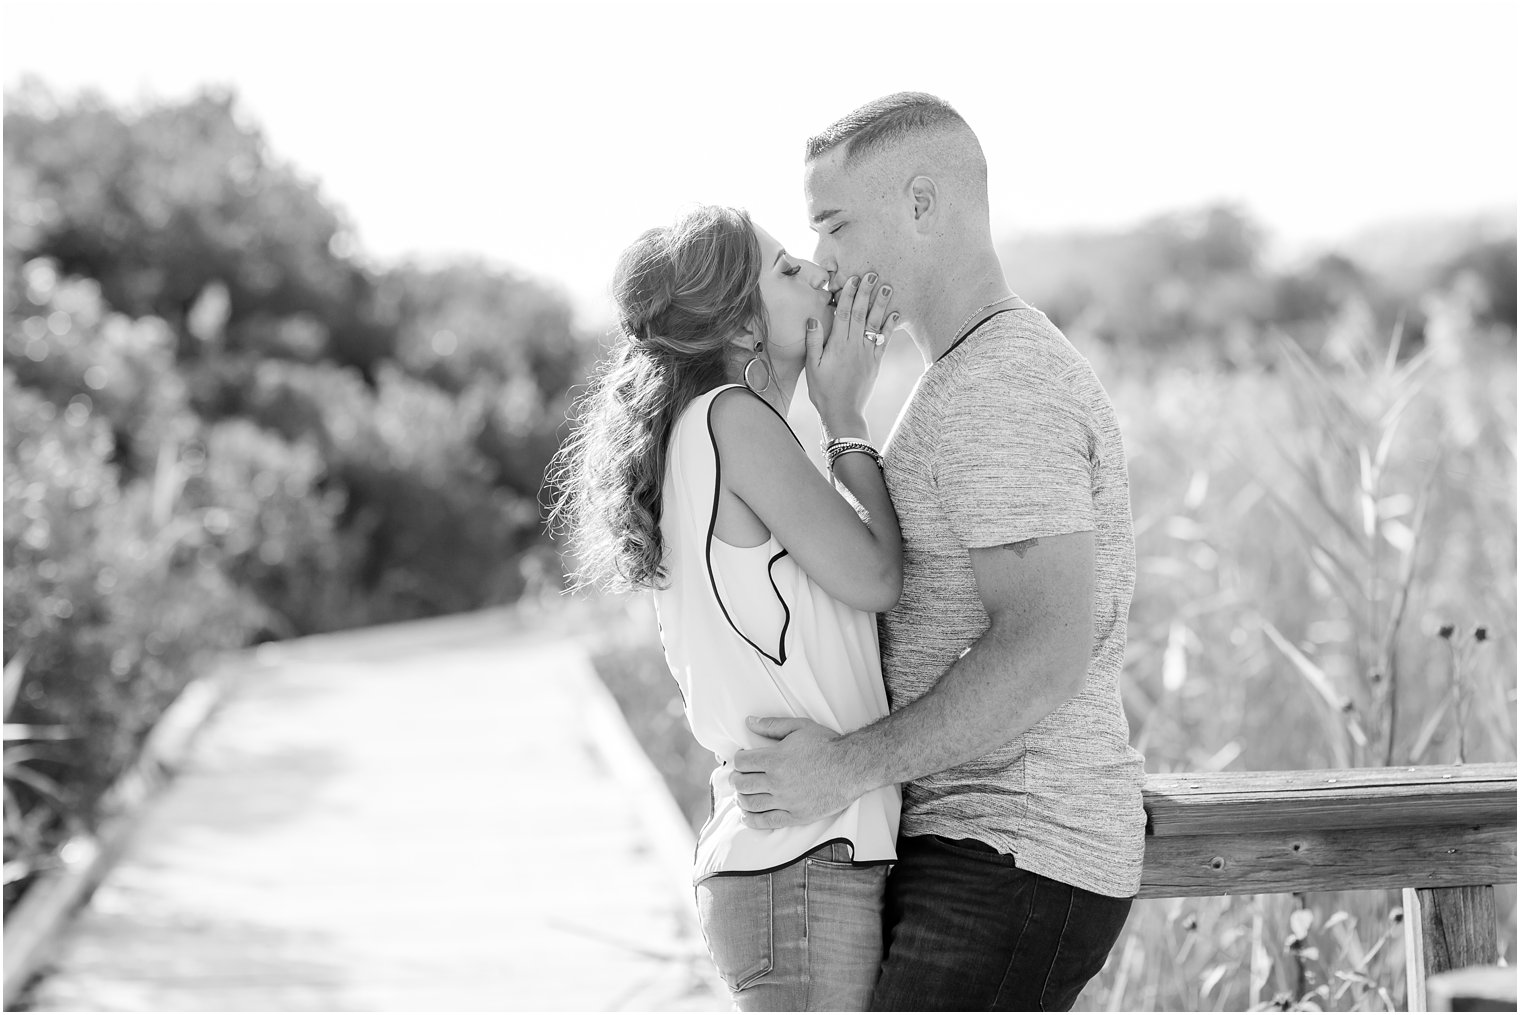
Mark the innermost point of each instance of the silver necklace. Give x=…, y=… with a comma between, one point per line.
x=985, y=306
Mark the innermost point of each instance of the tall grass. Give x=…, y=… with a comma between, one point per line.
x=1319, y=542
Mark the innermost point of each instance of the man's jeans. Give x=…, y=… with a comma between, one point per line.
x=968, y=931
x=806, y=937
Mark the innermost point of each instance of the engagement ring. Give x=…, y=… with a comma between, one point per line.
x=875, y=337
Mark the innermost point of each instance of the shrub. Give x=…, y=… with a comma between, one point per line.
x=425, y=523
x=63, y=341
x=110, y=597
x=273, y=525
x=210, y=436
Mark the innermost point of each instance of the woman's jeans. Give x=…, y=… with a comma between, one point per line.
x=806, y=937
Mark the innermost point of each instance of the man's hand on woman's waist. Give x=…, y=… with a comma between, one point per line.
x=805, y=776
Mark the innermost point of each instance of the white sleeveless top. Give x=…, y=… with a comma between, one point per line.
x=747, y=632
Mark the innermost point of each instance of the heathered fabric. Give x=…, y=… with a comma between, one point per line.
x=1011, y=437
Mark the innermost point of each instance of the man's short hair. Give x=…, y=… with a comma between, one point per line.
x=881, y=123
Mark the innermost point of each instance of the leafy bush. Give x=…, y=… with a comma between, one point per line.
x=500, y=344
x=425, y=520
x=441, y=534
x=273, y=526
x=210, y=437
x=62, y=340
x=160, y=205
x=109, y=599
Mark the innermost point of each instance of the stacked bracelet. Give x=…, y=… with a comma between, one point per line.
x=837, y=446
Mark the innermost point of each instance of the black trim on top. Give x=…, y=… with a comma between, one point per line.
x=712, y=525
x=801, y=856
x=746, y=388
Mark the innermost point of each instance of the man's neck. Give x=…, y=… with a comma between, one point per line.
x=952, y=303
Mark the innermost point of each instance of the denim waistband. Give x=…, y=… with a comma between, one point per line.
x=837, y=852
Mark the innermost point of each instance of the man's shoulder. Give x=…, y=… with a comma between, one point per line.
x=1021, y=347
x=1015, y=364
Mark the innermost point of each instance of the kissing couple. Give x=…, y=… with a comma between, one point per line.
x=906, y=664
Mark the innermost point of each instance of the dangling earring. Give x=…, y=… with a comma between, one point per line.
x=748, y=382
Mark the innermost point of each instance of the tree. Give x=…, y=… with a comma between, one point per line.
x=163, y=206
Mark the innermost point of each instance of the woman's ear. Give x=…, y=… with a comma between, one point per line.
x=745, y=338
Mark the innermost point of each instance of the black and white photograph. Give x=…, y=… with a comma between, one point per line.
x=760, y=506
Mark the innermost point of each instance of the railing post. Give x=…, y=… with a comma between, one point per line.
x=1444, y=929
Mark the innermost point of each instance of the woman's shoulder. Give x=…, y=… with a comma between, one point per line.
x=726, y=420
x=737, y=414
x=698, y=413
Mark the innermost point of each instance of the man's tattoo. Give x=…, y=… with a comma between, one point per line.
x=1022, y=547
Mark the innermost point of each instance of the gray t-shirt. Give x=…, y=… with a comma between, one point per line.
x=1011, y=437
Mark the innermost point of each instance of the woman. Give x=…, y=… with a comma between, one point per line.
x=684, y=478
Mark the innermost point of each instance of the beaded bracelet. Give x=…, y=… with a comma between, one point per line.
x=832, y=449
x=828, y=439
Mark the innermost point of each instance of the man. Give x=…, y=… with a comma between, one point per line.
x=1022, y=826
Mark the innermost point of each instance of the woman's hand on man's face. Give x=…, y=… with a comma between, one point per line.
x=844, y=353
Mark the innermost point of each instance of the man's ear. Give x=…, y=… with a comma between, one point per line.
x=925, y=196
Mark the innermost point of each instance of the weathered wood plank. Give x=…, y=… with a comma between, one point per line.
x=1392, y=806
x=34, y=924
x=277, y=874
x=1458, y=926
x=1306, y=778
x=1359, y=798
x=1445, y=929
x=1328, y=860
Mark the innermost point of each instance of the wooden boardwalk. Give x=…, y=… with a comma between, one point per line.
x=443, y=816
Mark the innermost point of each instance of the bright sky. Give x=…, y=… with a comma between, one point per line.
x=547, y=135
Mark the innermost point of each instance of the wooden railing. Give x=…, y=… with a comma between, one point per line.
x=1445, y=835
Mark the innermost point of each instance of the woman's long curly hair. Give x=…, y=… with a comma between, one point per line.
x=683, y=294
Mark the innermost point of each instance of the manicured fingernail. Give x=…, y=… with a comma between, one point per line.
x=870, y=278
x=854, y=281
x=892, y=320
x=812, y=323
x=884, y=291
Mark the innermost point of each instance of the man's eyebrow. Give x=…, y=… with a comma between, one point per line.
x=826, y=214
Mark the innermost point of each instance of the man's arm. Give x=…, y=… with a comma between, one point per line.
x=1032, y=659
